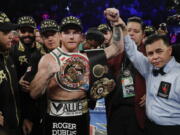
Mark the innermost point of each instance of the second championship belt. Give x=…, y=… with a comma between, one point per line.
x=101, y=82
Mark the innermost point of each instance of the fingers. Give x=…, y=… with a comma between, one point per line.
x=143, y=100
x=24, y=130
x=112, y=14
x=27, y=127
x=25, y=85
x=23, y=82
x=1, y=119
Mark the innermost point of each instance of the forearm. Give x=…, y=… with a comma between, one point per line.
x=38, y=86
x=137, y=58
x=117, y=45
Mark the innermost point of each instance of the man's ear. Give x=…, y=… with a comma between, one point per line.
x=83, y=37
x=170, y=50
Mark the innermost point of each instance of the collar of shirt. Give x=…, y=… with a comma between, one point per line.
x=167, y=68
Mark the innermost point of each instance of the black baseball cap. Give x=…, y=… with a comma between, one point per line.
x=26, y=21
x=71, y=22
x=49, y=25
x=5, y=23
x=104, y=28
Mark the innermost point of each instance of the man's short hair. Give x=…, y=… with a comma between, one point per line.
x=137, y=20
x=155, y=37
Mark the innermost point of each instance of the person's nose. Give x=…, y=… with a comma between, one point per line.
x=71, y=35
x=155, y=56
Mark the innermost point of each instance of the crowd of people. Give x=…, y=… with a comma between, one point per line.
x=116, y=79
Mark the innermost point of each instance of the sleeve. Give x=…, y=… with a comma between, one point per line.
x=137, y=58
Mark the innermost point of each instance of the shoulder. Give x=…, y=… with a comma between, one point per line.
x=177, y=66
x=47, y=58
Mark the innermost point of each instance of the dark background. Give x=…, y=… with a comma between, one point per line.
x=153, y=12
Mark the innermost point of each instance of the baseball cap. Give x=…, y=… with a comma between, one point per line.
x=71, y=22
x=5, y=23
x=49, y=25
x=104, y=27
x=26, y=21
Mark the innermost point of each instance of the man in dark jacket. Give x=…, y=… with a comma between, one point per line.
x=49, y=31
x=21, y=54
x=8, y=80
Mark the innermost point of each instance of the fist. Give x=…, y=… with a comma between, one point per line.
x=112, y=14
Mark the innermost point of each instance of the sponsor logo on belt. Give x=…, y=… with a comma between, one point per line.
x=67, y=108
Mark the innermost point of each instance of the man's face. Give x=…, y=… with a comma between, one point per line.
x=27, y=35
x=51, y=39
x=135, y=31
x=107, y=36
x=92, y=44
x=70, y=39
x=38, y=37
x=158, y=53
x=5, y=40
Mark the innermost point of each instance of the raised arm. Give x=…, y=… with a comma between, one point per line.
x=44, y=74
x=117, y=45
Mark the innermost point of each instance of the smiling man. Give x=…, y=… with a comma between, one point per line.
x=21, y=54
x=65, y=75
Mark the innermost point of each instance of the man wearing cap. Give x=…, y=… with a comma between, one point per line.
x=107, y=32
x=21, y=54
x=64, y=75
x=49, y=31
x=93, y=39
x=9, y=112
x=22, y=51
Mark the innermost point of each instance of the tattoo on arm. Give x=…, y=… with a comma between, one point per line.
x=116, y=34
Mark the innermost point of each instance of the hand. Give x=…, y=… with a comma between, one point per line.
x=112, y=14
x=24, y=84
x=27, y=126
x=1, y=119
x=143, y=101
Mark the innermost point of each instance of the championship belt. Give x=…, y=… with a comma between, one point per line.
x=63, y=108
x=74, y=71
x=101, y=78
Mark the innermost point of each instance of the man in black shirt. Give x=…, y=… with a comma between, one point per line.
x=21, y=54
x=9, y=112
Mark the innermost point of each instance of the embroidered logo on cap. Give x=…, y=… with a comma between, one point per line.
x=102, y=27
x=4, y=18
x=49, y=24
x=26, y=20
x=71, y=19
